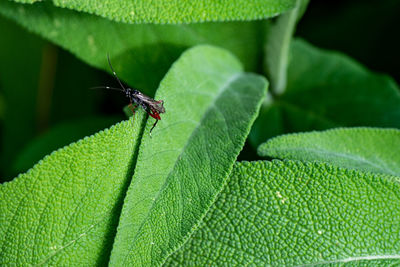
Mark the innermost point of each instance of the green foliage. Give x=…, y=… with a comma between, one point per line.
x=39, y=82
x=169, y=182
x=64, y=209
x=326, y=90
x=123, y=197
x=370, y=149
x=167, y=11
x=298, y=214
x=141, y=54
x=348, y=27
x=184, y=165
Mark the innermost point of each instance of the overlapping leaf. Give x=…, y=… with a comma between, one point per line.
x=141, y=54
x=326, y=90
x=64, y=211
x=277, y=45
x=298, y=214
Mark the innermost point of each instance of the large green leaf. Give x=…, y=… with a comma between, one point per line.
x=326, y=90
x=370, y=149
x=65, y=209
x=298, y=214
x=167, y=11
x=210, y=105
x=141, y=54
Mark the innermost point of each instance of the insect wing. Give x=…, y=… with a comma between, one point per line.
x=156, y=105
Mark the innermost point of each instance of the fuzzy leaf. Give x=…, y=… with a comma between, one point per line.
x=325, y=90
x=298, y=214
x=65, y=209
x=167, y=11
x=210, y=105
x=141, y=54
x=370, y=149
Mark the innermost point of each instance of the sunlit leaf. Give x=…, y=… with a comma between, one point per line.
x=298, y=214
x=210, y=105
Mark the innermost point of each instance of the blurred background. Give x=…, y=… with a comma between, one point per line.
x=45, y=101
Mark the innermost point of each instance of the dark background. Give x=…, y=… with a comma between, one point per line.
x=368, y=31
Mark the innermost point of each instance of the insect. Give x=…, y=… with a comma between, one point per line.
x=136, y=98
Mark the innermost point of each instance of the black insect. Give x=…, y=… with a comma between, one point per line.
x=136, y=98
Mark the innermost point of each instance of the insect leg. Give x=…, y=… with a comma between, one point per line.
x=154, y=125
x=154, y=114
x=133, y=107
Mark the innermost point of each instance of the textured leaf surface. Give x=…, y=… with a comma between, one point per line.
x=63, y=212
x=141, y=54
x=326, y=90
x=370, y=149
x=298, y=214
x=167, y=11
x=210, y=105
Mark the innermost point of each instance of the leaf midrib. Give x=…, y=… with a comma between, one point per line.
x=226, y=85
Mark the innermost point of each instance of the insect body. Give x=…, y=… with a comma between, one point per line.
x=136, y=98
x=152, y=107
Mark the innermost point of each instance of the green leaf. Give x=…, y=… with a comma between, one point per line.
x=278, y=38
x=161, y=11
x=141, y=54
x=369, y=149
x=326, y=90
x=58, y=136
x=65, y=209
x=298, y=214
x=210, y=105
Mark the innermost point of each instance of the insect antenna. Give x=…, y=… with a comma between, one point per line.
x=114, y=73
x=108, y=88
